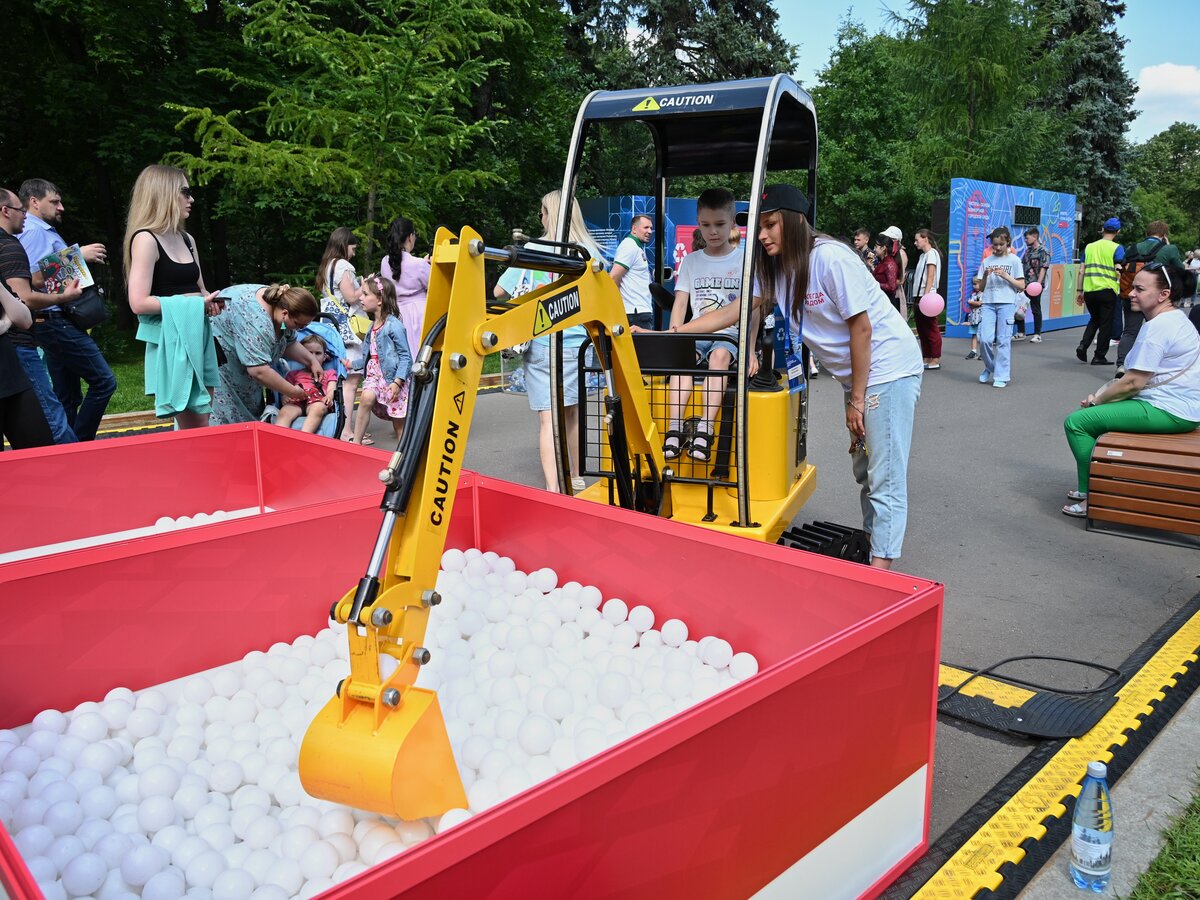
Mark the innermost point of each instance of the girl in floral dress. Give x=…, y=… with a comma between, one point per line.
x=388, y=359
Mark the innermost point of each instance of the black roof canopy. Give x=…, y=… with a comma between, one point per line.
x=709, y=129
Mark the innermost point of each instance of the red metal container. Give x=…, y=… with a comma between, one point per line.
x=810, y=779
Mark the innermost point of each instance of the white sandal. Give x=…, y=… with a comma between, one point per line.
x=1076, y=510
x=1076, y=495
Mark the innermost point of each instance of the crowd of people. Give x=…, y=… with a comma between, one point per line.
x=210, y=356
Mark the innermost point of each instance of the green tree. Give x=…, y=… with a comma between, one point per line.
x=865, y=177
x=968, y=66
x=1165, y=172
x=1090, y=95
x=365, y=104
x=693, y=41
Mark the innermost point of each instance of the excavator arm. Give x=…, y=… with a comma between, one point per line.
x=381, y=742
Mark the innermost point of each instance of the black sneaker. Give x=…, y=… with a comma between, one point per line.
x=1081, y=354
x=972, y=355
x=1099, y=361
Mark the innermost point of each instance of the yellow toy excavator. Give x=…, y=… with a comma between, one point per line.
x=381, y=742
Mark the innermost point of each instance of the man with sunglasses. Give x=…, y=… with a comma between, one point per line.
x=14, y=271
x=1154, y=247
x=71, y=353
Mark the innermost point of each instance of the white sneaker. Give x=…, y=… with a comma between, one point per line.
x=1018, y=337
x=1035, y=339
x=577, y=485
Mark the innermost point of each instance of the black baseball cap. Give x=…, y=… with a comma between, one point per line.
x=779, y=196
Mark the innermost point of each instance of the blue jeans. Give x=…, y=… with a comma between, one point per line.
x=997, y=326
x=71, y=355
x=52, y=409
x=881, y=468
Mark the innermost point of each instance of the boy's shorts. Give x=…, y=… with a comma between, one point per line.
x=705, y=347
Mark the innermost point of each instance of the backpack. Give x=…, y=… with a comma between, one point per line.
x=1134, y=263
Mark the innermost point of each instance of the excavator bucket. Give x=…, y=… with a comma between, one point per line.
x=403, y=767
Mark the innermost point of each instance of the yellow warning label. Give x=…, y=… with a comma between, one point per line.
x=647, y=105
x=541, y=322
x=552, y=310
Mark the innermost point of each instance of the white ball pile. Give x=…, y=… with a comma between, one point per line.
x=167, y=523
x=193, y=789
x=534, y=677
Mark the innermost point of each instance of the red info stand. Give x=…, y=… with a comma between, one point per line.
x=813, y=778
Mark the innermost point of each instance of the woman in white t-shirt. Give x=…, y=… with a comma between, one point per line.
x=851, y=327
x=340, y=293
x=1160, y=390
x=925, y=280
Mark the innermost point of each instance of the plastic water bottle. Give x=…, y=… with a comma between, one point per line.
x=1092, y=831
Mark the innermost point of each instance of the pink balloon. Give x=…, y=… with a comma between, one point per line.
x=932, y=304
x=1034, y=289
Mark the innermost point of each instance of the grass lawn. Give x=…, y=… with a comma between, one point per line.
x=1175, y=873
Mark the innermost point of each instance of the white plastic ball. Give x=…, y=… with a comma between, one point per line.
x=142, y=863
x=452, y=817
x=63, y=817
x=743, y=665
x=536, y=735
x=674, y=632
x=50, y=720
x=589, y=597
x=203, y=870
x=166, y=885
x=615, y=611
x=143, y=723
x=233, y=884
x=717, y=653
x=84, y=874
x=158, y=781
x=155, y=813
x=613, y=689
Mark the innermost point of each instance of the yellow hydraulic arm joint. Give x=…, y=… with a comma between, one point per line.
x=381, y=742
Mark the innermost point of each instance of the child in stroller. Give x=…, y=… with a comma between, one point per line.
x=319, y=417
x=318, y=397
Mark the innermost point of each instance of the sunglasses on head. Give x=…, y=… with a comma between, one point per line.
x=1157, y=266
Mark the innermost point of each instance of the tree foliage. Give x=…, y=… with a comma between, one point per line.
x=1090, y=96
x=369, y=107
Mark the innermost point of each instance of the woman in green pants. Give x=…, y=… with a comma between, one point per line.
x=1160, y=390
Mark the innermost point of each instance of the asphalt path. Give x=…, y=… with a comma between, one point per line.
x=989, y=473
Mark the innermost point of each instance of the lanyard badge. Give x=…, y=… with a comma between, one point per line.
x=792, y=355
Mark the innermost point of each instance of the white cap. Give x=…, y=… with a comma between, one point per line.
x=1097, y=770
x=894, y=233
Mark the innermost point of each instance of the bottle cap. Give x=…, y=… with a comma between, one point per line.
x=1097, y=770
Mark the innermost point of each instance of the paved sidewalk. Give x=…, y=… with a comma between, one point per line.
x=1145, y=801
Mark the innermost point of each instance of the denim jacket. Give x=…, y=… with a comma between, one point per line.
x=395, y=359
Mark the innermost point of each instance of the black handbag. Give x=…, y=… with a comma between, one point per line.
x=87, y=310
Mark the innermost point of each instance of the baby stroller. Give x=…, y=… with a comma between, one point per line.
x=325, y=327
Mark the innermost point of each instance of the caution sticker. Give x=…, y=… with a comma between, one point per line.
x=552, y=310
x=647, y=105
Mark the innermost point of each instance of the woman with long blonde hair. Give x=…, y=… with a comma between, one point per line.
x=162, y=271
x=515, y=282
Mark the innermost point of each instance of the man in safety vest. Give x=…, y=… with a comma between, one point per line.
x=1101, y=281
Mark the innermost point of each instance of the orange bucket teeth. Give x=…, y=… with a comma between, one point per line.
x=405, y=768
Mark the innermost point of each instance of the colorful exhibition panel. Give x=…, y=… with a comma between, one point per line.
x=978, y=207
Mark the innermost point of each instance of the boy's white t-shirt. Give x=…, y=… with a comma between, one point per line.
x=1165, y=345
x=841, y=286
x=997, y=290
x=711, y=281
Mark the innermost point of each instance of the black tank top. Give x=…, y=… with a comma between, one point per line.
x=170, y=277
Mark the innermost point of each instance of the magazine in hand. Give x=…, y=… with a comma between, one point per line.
x=62, y=267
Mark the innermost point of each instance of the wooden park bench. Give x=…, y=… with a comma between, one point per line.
x=1146, y=486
